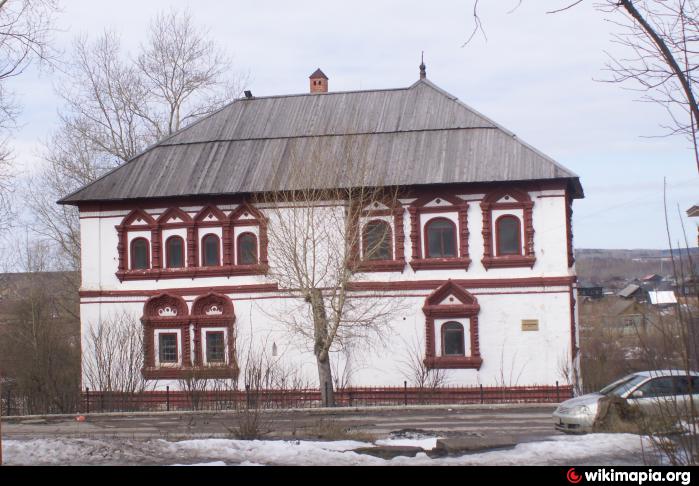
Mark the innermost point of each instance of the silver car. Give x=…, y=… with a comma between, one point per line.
x=648, y=390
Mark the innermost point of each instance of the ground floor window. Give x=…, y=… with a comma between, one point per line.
x=167, y=348
x=215, y=347
x=453, y=339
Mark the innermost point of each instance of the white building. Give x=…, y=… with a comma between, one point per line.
x=478, y=245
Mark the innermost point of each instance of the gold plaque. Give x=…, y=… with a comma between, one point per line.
x=530, y=324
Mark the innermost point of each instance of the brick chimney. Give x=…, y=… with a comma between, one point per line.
x=319, y=82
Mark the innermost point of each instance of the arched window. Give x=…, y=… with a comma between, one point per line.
x=508, y=236
x=441, y=238
x=174, y=252
x=453, y=339
x=376, y=241
x=140, y=258
x=210, y=251
x=247, y=249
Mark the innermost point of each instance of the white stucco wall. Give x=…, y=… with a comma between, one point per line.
x=510, y=356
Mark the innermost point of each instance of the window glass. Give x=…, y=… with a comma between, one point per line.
x=508, y=236
x=167, y=348
x=210, y=247
x=175, y=252
x=660, y=387
x=377, y=241
x=215, y=347
x=453, y=339
x=139, y=254
x=247, y=249
x=441, y=239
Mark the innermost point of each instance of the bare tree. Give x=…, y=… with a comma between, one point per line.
x=25, y=35
x=315, y=237
x=116, y=105
x=113, y=355
x=414, y=369
x=39, y=337
x=661, y=44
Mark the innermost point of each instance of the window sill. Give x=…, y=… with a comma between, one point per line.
x=221, y=372
x=453, y=362
x=512, y=261
x=440, y=264
x=193, y=272
x=381, y=266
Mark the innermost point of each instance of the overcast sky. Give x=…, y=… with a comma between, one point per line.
x=535, y=74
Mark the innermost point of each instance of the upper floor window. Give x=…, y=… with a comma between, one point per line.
x=376, y=241
x=210, y=246
x=440, y=235
x=247, y=249
x=139, y=254
x=174, y=252
x=508, y=235
x=453, y=339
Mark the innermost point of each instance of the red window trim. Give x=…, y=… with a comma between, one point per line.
x=463, y=340
x=397, y=240
x=419, y=260
x=199, y=319
x=177, y=348
x=238, y=252
x=167, y=252
x=466, y=306
x=203, y=250
x=132, y=252
x=139, y=220
x=498, y=251
x=365, y=241
x=520, y=199
x=427, y=238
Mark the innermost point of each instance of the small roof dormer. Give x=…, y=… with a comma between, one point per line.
x=319, y=82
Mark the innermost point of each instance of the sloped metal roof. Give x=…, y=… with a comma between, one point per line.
x=419, y=135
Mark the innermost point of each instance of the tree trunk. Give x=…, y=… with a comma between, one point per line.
x=320, y=348
x=325, y=378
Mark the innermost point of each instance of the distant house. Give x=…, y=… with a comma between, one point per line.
x=662, y=297
x=652, y=278
x=590, y=290
x=630, y=291
x=627, y=315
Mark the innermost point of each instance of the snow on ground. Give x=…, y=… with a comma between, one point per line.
x=608, y=449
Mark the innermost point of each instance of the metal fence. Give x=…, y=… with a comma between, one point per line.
x=167, y=400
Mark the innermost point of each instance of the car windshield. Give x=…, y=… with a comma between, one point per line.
x=618, y=388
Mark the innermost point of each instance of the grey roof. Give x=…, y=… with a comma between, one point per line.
x=628, y=291
x=418, y=135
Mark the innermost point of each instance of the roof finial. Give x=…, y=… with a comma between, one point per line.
x=423, y=68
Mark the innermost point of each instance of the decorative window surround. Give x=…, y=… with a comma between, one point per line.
x=208, y=217
x=397, y=264
x=465, y=306
x=167, y=313
x=419, y=207
x=520, y=200
x=164, y=313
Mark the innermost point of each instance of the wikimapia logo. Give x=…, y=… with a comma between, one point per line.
x=636, y=477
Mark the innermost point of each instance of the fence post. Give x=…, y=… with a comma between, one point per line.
x=247, y=395
x=558, y=393
x=167, y=397
x=87, y=399
x=405, y=392
x=9, y=402
x=326, y=402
